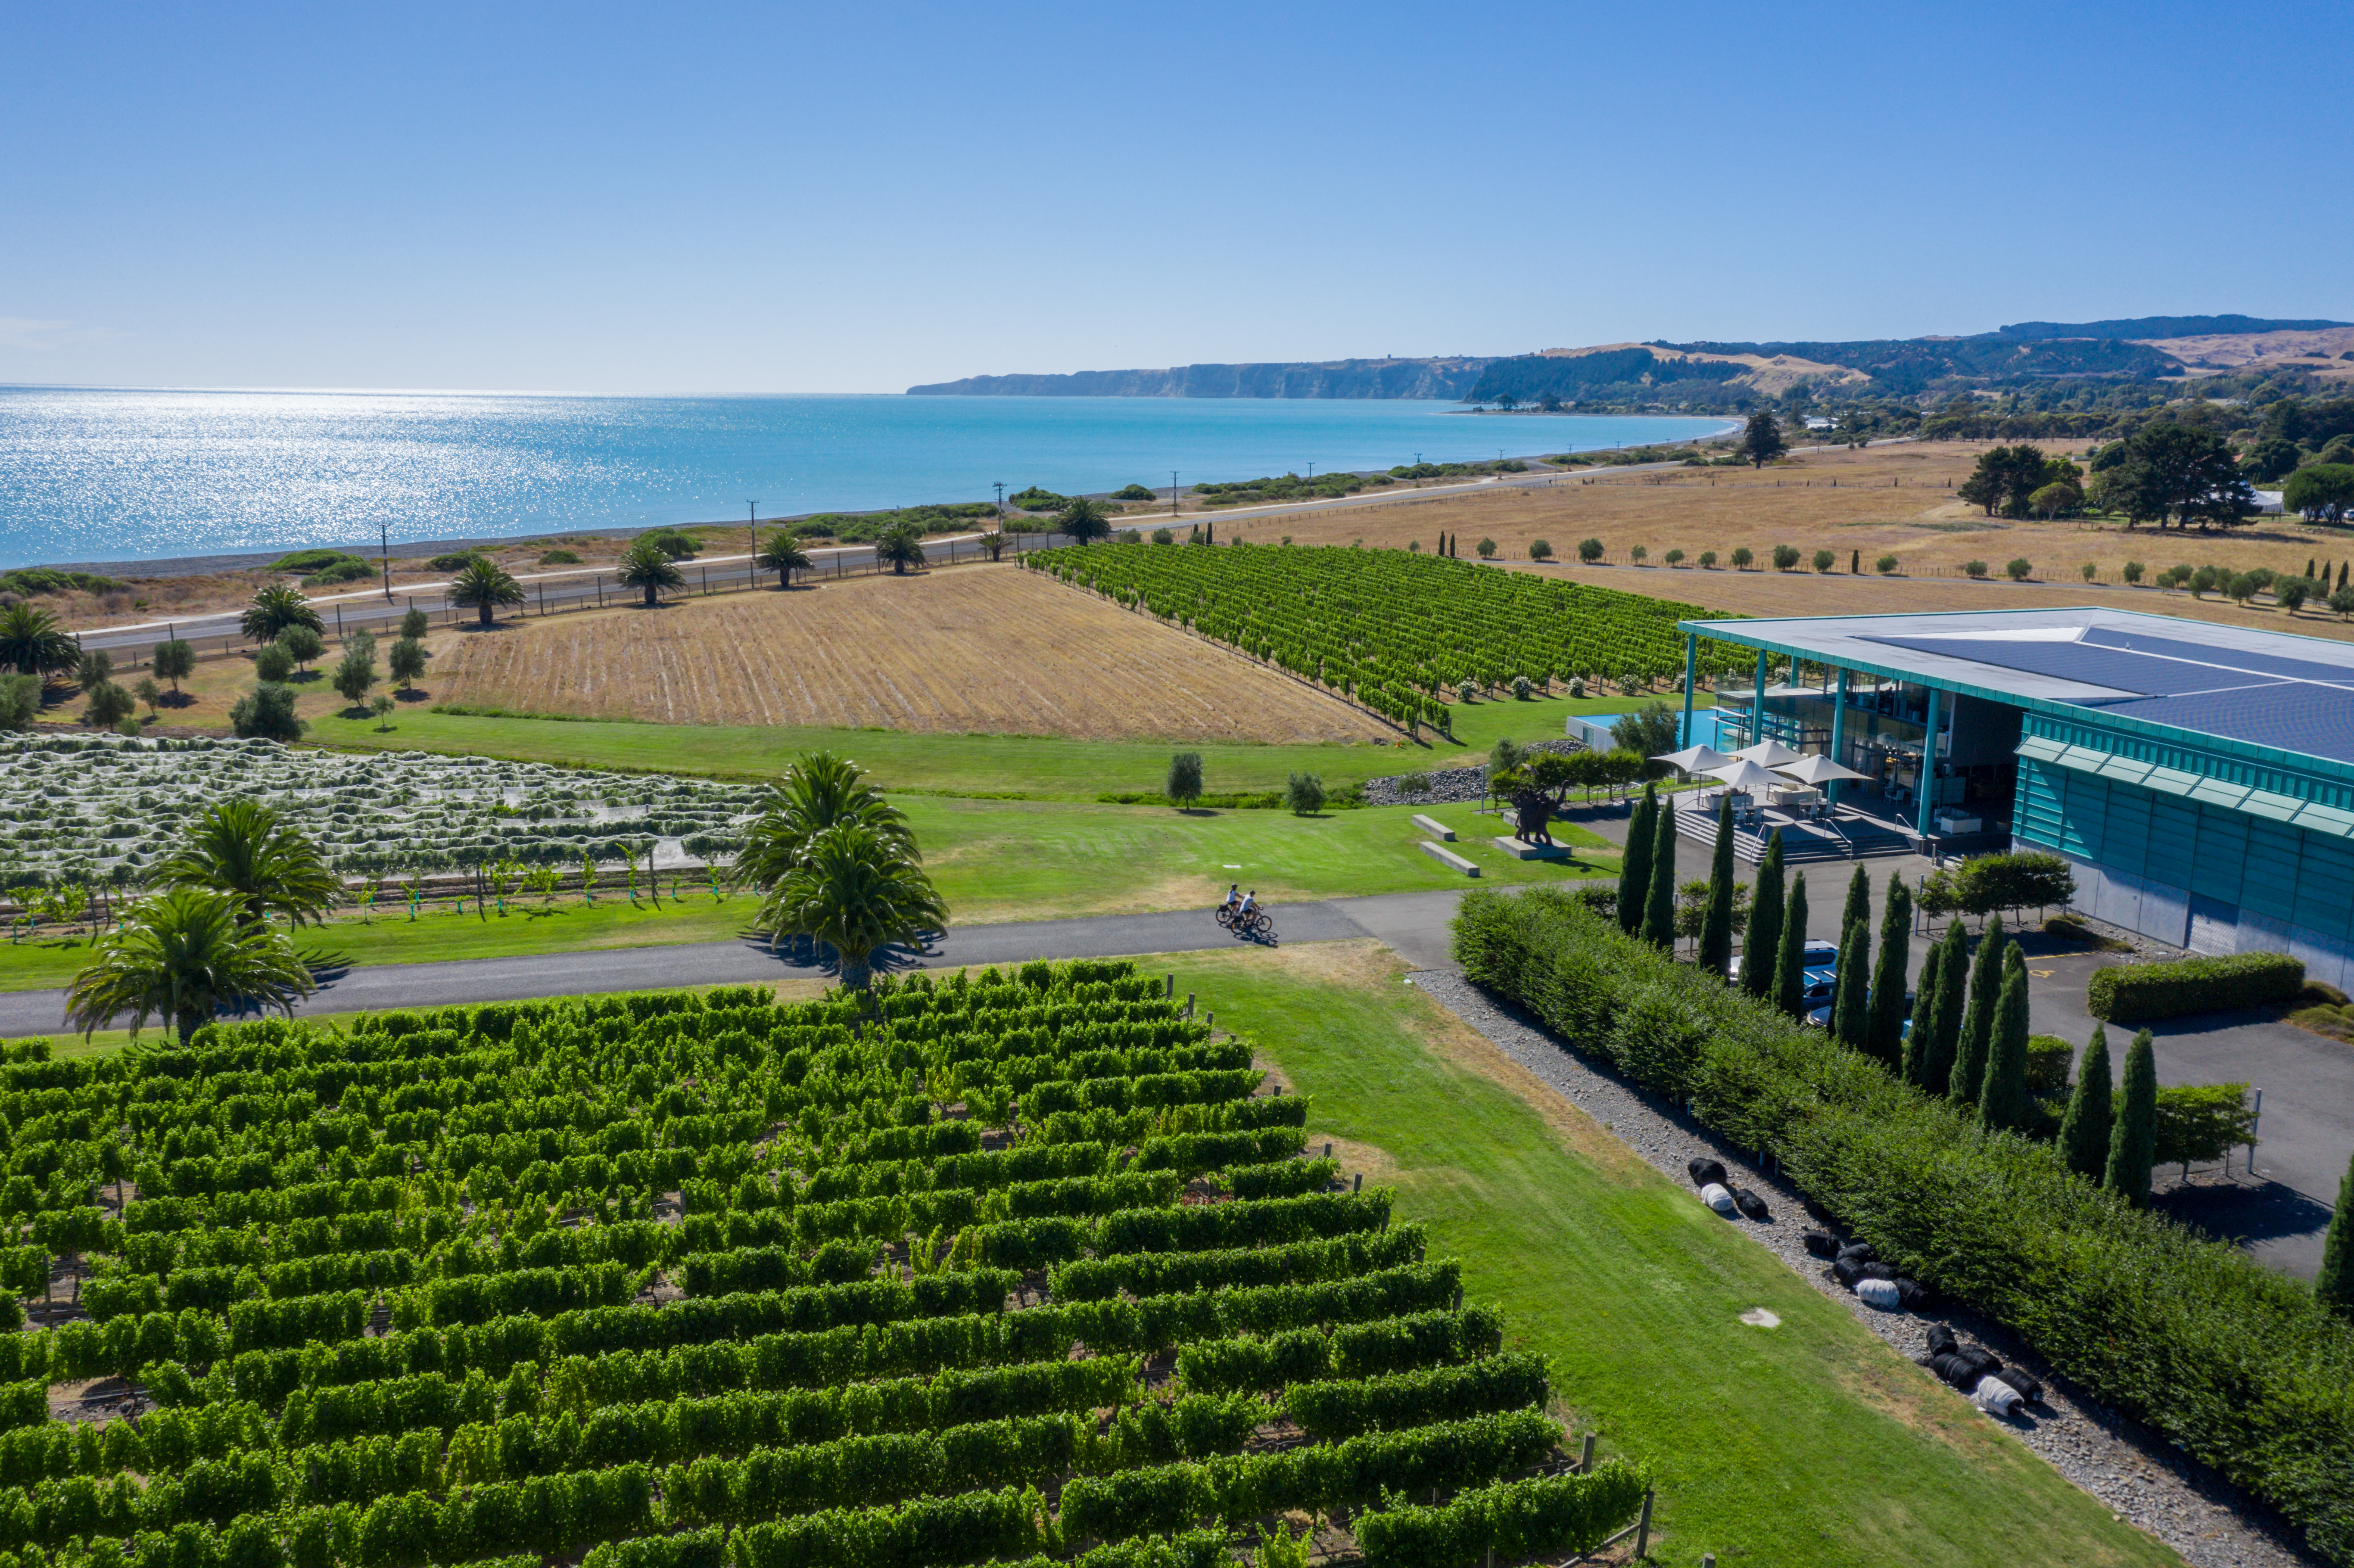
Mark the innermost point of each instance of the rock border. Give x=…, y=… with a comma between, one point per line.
x=2139, y=1476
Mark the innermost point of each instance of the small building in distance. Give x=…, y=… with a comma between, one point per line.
x=2199, y=776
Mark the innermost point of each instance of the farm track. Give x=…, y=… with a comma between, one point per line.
x=985, y=649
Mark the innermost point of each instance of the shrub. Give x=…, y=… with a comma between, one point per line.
x=456, y=561
x=1522, y=687
x=2138, y=993
x=2237, y=1365
x=1133, y=493
x=273, y=662
x=1673, y=558
x=678, y=546
x=1784, y=556
x=1707, y=560
x=559, y=558
x=2048, y=1060
x=1590, y=550
x=2133, y=571
x=1163, y=536
x=2025, y=879
x=1886, y=566
x=1974, y=569
x=20, y=701
x=1825, y=560
x=2091, y=571
x=266, y=712
x=1540, y=550
x=416, y=623
x=2017, y=568
x=1487, y=549
x=109, y=706
x=1742, y=557
x=304, y=642
x=1304, y=794
x=350, y=569
x=2199, y=1124
x=1640, y=553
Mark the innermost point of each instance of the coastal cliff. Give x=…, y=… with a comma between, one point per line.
x=1447, y=378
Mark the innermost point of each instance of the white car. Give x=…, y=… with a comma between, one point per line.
x=1813, y=956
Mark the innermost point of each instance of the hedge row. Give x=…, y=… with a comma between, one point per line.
x=2238, y=1365
x=1543, y=1517
x=2138, y=993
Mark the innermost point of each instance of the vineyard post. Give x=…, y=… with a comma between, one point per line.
x=1692, y=654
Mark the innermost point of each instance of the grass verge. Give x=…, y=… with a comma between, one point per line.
x=1809, y=1443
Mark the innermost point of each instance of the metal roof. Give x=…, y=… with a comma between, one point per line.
x=2271, y=693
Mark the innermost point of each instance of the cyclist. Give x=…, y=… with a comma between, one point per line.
x=1233, y=899
x=1250, y=902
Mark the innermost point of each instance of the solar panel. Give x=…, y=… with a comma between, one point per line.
x=2278, y=666
x=2089, y=664
x=2292, y=716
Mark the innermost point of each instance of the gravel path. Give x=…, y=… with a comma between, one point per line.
x=2135, y=1472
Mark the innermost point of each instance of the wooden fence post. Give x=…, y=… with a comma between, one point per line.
x=1585, y=1455
x=1643, y=1528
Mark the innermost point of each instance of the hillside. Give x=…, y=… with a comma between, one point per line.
x=1445, y=377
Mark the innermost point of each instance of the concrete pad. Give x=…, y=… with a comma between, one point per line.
x=1435, y=828
x=1448, y=857
x=1520, y=849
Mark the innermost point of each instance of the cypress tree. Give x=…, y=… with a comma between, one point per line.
x=2003, y=1102
x=1978, y=1021
x=2132, y=1141
x=1945, y=1018
x=1885, y=1032
x=1660, y=908
x=1858, y=902
x=1635, y=865
x=1762, y=946
x=1921, y=1041
x=1790, y=961
x=2342, y=568
x=1717, y=924
x=2334, y=1286
x=2084, y=1130
x=1851, y=996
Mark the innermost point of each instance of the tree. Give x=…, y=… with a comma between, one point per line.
x=782, y=554
x=277, y=607
x=1590, y=550
x=1660, y=907
x=2334, y=1286
x=107, y=705
x=272, y=662
x=902, y=544
x=1650, y=731
x=33, y=644
x=1764, y=939
x=175, y=661
x=2133, y=1138
x=266, y=713
x=1851, y=993
x=415, y=623
x=242, y=848
x=2322, y=490
x=1717, y=924
x=1761, y=441
x=484, y=585
x=1540, y=550
x=1635, y=863
x=94, y=668
x=355, y=671
x=853, y=890
x=2003, y=1099
x=2056, y=499
x=20, y=702
x=2019, y=568
x=406, y=662
x=2290, y=593
x=149, y=694
x=303, y=645
x=382, y=708
x=1884, y=1037
x=819, y=792
x=994, y=542
x=643, y=567
x=1857, y=908
x=1946, y=1012
x=1784, y=556
x=1304, y=793
x=1083, y=520
x=1977, y=1019
x=1184, y=782
x=2006, y=478
x=184, y=955
x=2182, y=472
x=1790, y=962
x=1914, y=1052
x=2085, y=1130
x=1487, y=549
x=1742, y=557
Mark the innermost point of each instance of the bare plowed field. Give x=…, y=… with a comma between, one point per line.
x=980, y=650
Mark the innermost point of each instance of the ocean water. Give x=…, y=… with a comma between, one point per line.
x=111, y=475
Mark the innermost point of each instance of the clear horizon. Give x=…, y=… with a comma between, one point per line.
x=802, y=201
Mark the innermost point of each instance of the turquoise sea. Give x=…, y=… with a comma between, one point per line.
x=112, y=475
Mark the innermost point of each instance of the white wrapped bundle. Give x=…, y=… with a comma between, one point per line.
x=1879, y=1293
x=1995, y=1396
x=1716, y=1196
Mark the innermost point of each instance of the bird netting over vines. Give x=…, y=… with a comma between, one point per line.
x=1393, y=630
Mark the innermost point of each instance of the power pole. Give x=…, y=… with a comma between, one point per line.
x=752, y=526
x=1172, y=493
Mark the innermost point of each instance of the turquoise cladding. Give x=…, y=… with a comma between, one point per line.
x=2269, y=868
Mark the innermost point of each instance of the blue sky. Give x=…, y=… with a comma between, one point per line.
x=765, y=198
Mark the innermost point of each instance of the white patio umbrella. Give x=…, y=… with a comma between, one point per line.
x=1818, y=770
x=1745, y=775
x=1694, y=759
x=1768, y=754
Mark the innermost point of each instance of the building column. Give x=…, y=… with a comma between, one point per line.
x=1839, y=733
x=1692, y=655
x=1758, y=703
x=1929, y=764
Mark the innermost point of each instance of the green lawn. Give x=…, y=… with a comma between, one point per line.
x=952, y=763
x=992, y=861
x=1809, y=1443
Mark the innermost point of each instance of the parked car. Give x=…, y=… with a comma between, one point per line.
x=1820, y=1017
x=1813, y=956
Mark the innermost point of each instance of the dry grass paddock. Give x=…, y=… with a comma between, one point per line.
x=980, y=650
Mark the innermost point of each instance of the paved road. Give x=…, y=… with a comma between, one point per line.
x=1415, y=923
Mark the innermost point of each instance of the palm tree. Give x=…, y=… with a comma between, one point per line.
x=643, y=565
x=33, y=641
x=902, y=544
x=855, y=891
x=484, y=585
x=1084, y=520
x=182, y=956
x=276, y=607
x=782, y=554
x=241, y=848
x=819, y=792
